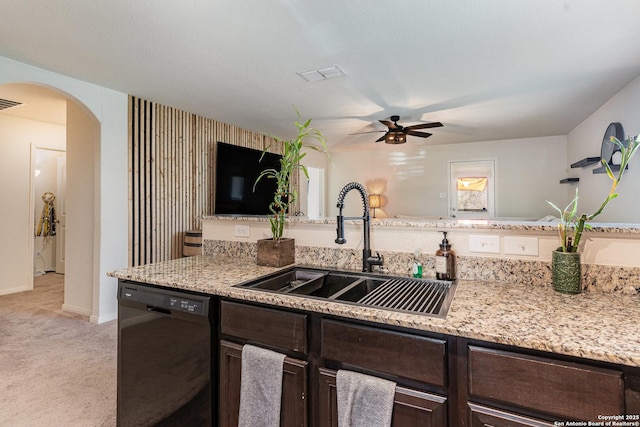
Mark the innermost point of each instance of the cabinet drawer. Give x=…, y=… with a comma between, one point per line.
x=410, y=407
x=480, y=416
x=274, y=328
x=564, y=389
x=409, y=356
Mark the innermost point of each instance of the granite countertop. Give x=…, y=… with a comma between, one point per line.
x=631, y=229
x=601, y=327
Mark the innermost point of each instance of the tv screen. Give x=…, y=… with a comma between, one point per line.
x=237, y=169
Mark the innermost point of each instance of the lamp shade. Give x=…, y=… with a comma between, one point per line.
x=374, y=201
x=395, y=137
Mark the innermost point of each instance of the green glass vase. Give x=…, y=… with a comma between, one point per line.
x=566, y=272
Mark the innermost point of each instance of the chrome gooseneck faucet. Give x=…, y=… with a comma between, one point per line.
x=368, y=261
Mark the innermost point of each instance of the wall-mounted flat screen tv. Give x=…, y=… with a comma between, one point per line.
x=237, y=169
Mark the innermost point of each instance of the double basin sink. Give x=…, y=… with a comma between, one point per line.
x=422, y=296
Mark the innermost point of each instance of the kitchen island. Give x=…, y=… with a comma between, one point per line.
x=602, y=327
x=506, y=354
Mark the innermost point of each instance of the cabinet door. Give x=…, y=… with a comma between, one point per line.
x=410, y=407
x=293, y=412
x=480, y=416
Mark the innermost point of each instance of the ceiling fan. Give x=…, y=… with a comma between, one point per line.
x=397, y=134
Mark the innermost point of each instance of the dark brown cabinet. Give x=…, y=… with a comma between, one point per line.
x=293, y=412
x=549, y=387
x=441, y=380
x=394, y=353
x=278, y=330
x=410, y=407
x=309, y=392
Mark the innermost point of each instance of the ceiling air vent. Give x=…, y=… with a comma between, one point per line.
x=322, y=74
x=5, y=103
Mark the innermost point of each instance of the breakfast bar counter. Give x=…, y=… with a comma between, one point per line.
x=602, y=327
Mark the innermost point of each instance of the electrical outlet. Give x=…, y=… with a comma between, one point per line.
x=484, y=243
x=519, y=245
x=241, y=231
x=443, y=195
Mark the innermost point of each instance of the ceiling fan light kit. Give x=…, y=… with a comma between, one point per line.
x=395, y=138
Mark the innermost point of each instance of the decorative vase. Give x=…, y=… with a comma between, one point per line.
x=566, y=272
x=276, y=253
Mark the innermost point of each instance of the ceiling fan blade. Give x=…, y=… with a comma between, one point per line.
x=381, y=138
x=425, y=126
x=420, y=134
x=388, y=124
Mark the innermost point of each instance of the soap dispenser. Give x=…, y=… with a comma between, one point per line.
x=416, y=268
x=445, y=261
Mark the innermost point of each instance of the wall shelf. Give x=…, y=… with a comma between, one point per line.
x=569, y=180
x=614, y=169
x=587, y=161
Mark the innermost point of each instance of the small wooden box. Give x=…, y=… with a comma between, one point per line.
x=276, y=253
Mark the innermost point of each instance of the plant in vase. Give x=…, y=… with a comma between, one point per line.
x=294, y=150
x=565, y=265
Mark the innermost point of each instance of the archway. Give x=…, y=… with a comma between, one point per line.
x=37, y=122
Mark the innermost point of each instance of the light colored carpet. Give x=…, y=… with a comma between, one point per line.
x=56, y=369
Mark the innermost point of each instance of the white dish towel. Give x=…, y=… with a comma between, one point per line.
x=260, y=387
x=363, y=400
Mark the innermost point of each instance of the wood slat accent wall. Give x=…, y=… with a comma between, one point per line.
x=171, y=175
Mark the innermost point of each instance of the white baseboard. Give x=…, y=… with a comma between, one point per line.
x=14, y=290
x=76, y=310
x=104, y=318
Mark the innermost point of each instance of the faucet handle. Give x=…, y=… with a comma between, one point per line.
x=376, y=260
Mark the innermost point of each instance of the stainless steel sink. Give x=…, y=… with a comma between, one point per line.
x=423, y=296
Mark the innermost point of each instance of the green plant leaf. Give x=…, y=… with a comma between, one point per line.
x=568, y=217
x=293, y=153
x=608, y=169
x=555, y=207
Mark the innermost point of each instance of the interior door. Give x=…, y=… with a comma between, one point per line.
x=472, y=189
x=61, y=212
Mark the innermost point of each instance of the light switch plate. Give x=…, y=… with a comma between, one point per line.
x=241, y=231
x=484, y=243
x=519, y=245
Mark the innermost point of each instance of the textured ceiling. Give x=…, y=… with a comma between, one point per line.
x=490, y=69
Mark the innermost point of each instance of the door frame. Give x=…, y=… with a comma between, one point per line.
x=61, y=183
x=32, y=214
x=489, y=165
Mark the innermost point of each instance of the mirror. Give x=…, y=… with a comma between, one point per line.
x=414, y=179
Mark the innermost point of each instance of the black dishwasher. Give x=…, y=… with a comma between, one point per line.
x=165, y=357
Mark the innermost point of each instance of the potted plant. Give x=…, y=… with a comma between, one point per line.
x=278, y=251
x=565, y=262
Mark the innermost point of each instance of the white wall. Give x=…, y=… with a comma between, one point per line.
x=584, y=141
x=110, y=221
x=16, y=218
x=411, y=177
x=83, y=142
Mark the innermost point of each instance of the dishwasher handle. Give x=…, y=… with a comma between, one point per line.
x=158, y=309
